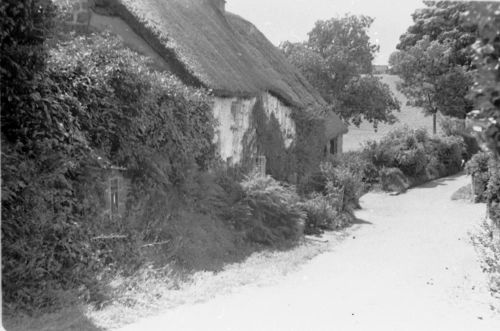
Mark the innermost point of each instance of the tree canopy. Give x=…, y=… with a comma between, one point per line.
x=337, y=61
x=486, y=72
x=434, y=60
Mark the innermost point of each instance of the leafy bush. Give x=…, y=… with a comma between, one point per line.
x=449, y=152
x=91, y=101
x=360, y=165
x=478, y=168
x=321, y=213
x=452, y=126
x=393, y=179
x=485, y=172
x=277, y=217
x=419, y=156
x=493, y=194
x=345, y=185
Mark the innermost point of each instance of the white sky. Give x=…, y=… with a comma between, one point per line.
x=291, y=20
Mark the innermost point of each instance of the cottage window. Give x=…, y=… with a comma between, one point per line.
x=114, y=196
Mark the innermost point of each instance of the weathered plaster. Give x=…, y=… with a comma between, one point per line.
x=233, y=116
x=283, y=114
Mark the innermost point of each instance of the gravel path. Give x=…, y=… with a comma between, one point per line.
x=410, y=266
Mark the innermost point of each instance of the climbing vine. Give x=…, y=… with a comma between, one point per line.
x=286, y=164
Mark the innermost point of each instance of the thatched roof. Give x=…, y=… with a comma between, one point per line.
x=220, y=51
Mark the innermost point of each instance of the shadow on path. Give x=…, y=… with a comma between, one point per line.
x=359, y=221
x=70, y=319
x=439, y=182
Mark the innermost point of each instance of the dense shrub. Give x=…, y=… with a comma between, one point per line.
x=493, y=194
x=277, y=218
x=393, y=180
x=419, y=156
x=452, y=126
x=478, y=168
x=91, y=103
x=485, y=172
x=331, y=195
x=360, y=165
x=321, y=213
x=344, y=184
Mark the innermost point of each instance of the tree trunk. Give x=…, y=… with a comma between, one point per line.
x=434, y=122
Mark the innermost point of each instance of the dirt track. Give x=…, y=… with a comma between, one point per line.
x=409, y=266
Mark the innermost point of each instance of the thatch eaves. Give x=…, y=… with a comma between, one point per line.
x=217, y=50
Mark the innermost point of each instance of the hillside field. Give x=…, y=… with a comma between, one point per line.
x=410, y=116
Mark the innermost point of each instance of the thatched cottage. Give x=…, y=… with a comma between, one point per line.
x=205, y=46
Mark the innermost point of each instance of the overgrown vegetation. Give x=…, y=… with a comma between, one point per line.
x=72, y=111
x=485, y=174
x=419, y=156
x=337, y=60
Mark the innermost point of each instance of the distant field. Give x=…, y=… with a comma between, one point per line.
x=410, y=116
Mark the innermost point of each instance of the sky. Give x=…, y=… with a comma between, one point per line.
x=291, y=20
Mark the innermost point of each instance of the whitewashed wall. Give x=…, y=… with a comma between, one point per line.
x=234, y=118
x=283, y=114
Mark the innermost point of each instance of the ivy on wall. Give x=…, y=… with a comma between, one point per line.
x=285, y=164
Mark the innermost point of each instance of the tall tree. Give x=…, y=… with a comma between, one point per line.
x=337, y=61
x=430, y=80
x=434, y=59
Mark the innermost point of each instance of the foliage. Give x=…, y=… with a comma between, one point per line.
x=486, y=72
x=419, y=156
x=343, y=184
x=441, y=21
x=359, y=164
x=337, y=61
x=309, y=144
x=452, y=126
x=478, y=168
x=269, y=142
x=321, y=213
x=485, y=174
x=90, y=104
x=331, y=195
x=345, y=44
x=393, y=180
x=431, y=81
x=493, y=194
x=367, y=98
x=277, y=217
x=434, y=59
